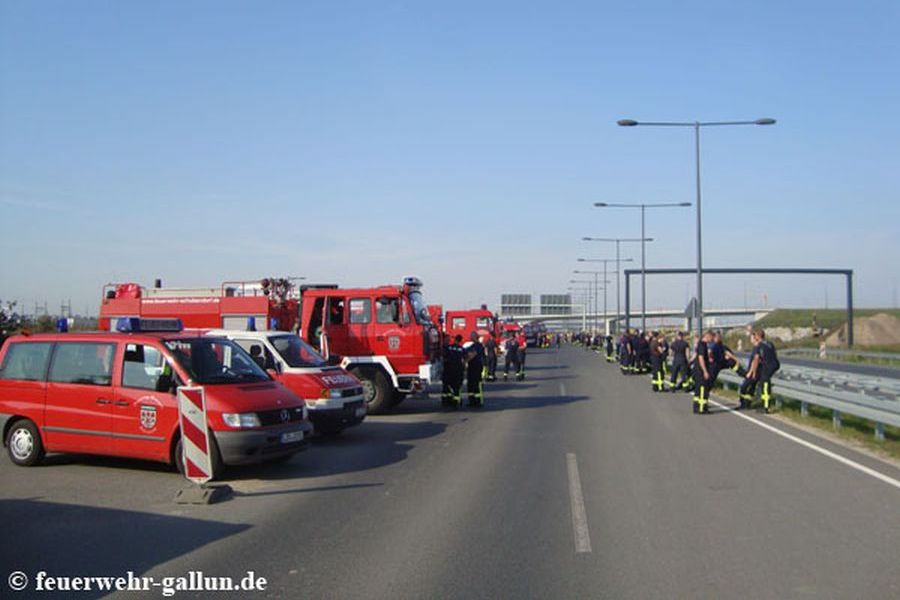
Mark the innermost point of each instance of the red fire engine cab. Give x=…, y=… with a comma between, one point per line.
x=384, y=335
x=464, y=322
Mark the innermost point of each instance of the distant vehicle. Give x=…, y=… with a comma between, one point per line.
x=464, y=322
x=113, y=393
x=334, y=398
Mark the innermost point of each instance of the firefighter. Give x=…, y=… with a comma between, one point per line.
x=748, y=387
x=664, y=351
x=490, y=351
x=656, y=360
x=452, y=377
x=609, y=349
x=702, y=377
x=523, y=349
x=511, y=355
x=679, y=363
x=768, y=365
x=474, y=366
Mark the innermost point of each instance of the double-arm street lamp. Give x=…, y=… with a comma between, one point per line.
x=696, y=125
x=643, y=207
x=618, y=241
x=605, y=261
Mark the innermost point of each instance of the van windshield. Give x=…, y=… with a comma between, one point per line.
x=215, y=361
x=295, y=352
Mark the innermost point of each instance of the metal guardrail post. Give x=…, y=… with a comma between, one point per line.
x=804, y=409
x=836, y=419
x=879, y=432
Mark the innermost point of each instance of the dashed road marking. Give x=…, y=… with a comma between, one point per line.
x=579, y=516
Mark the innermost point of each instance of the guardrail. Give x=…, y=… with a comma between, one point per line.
x=880, y=411
x=818, y=353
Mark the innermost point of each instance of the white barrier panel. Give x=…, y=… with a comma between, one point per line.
x=194, y=434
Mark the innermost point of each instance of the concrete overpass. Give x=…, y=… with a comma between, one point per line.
x=605, y=321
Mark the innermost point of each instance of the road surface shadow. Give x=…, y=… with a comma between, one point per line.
x=492, y=403
x=321, y=488
x=74, y=540
x=373, y=444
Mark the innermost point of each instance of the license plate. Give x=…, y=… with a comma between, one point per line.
x=291, y=436
x=360, y=411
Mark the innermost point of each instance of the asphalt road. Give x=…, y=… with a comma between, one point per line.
x=576, y=483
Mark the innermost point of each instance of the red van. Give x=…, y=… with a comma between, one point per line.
x=113, y=393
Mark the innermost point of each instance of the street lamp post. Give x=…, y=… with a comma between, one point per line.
x=605, y=261
x=618, y=269
x=584, y=291
x=597, y=287
x=643, y=206
x=696, y=125
x=590, y=296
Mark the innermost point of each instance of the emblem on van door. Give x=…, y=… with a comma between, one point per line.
x=393, y=342
x=148, y=417
x=285, y=415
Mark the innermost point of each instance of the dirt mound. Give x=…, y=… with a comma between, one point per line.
x=879, y=330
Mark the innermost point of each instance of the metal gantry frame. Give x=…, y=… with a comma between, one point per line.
x=847, y=273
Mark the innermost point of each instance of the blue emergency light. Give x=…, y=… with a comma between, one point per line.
x=62, y=325
x=138, y=325
x=273, y=323
x=251, y=323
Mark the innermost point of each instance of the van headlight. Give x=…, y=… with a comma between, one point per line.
x=241, y=420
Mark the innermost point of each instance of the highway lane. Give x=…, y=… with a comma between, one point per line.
x=478, y=504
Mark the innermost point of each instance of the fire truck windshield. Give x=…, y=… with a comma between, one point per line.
x=215, y=361
x=295, y=352
x=420, y=309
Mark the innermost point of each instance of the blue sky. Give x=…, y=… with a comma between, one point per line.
x=358, y=142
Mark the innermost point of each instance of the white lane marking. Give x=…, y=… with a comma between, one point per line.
x=811, y=446
x=562, y=389
x=579, y=516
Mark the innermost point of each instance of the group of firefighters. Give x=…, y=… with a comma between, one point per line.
x=476, y=362
x=696, y=370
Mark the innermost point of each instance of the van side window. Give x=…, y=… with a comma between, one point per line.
x=360, y=311
x=82, y=362
x=26, y=361
x=387, y=310
x=141, y=366
x=458, y=323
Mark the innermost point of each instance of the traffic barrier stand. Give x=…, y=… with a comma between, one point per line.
x=195, y=450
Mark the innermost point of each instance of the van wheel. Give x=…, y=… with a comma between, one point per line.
x=377, y=389
x=23, y=443
x=215, y=458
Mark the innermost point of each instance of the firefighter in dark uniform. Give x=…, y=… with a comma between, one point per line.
x=747, y=390
x=490, y=351
x=474, y=367
x=679, y=363
x=656, y=360
x=702, y=376
x=768, y=365
x=609, y=349
x=664, y=351
x=511, y=355
x=452, y=378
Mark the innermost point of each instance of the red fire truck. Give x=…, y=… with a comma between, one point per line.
x=384, y=336
x=270, y=303
x=464, y=322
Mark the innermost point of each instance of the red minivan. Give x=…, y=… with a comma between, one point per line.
x=113, y=393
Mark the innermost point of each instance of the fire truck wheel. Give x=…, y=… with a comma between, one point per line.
x=215, y=457
x=23, y=443
x=377, y=389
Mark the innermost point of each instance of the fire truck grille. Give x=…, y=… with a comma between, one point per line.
x=355, y=391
